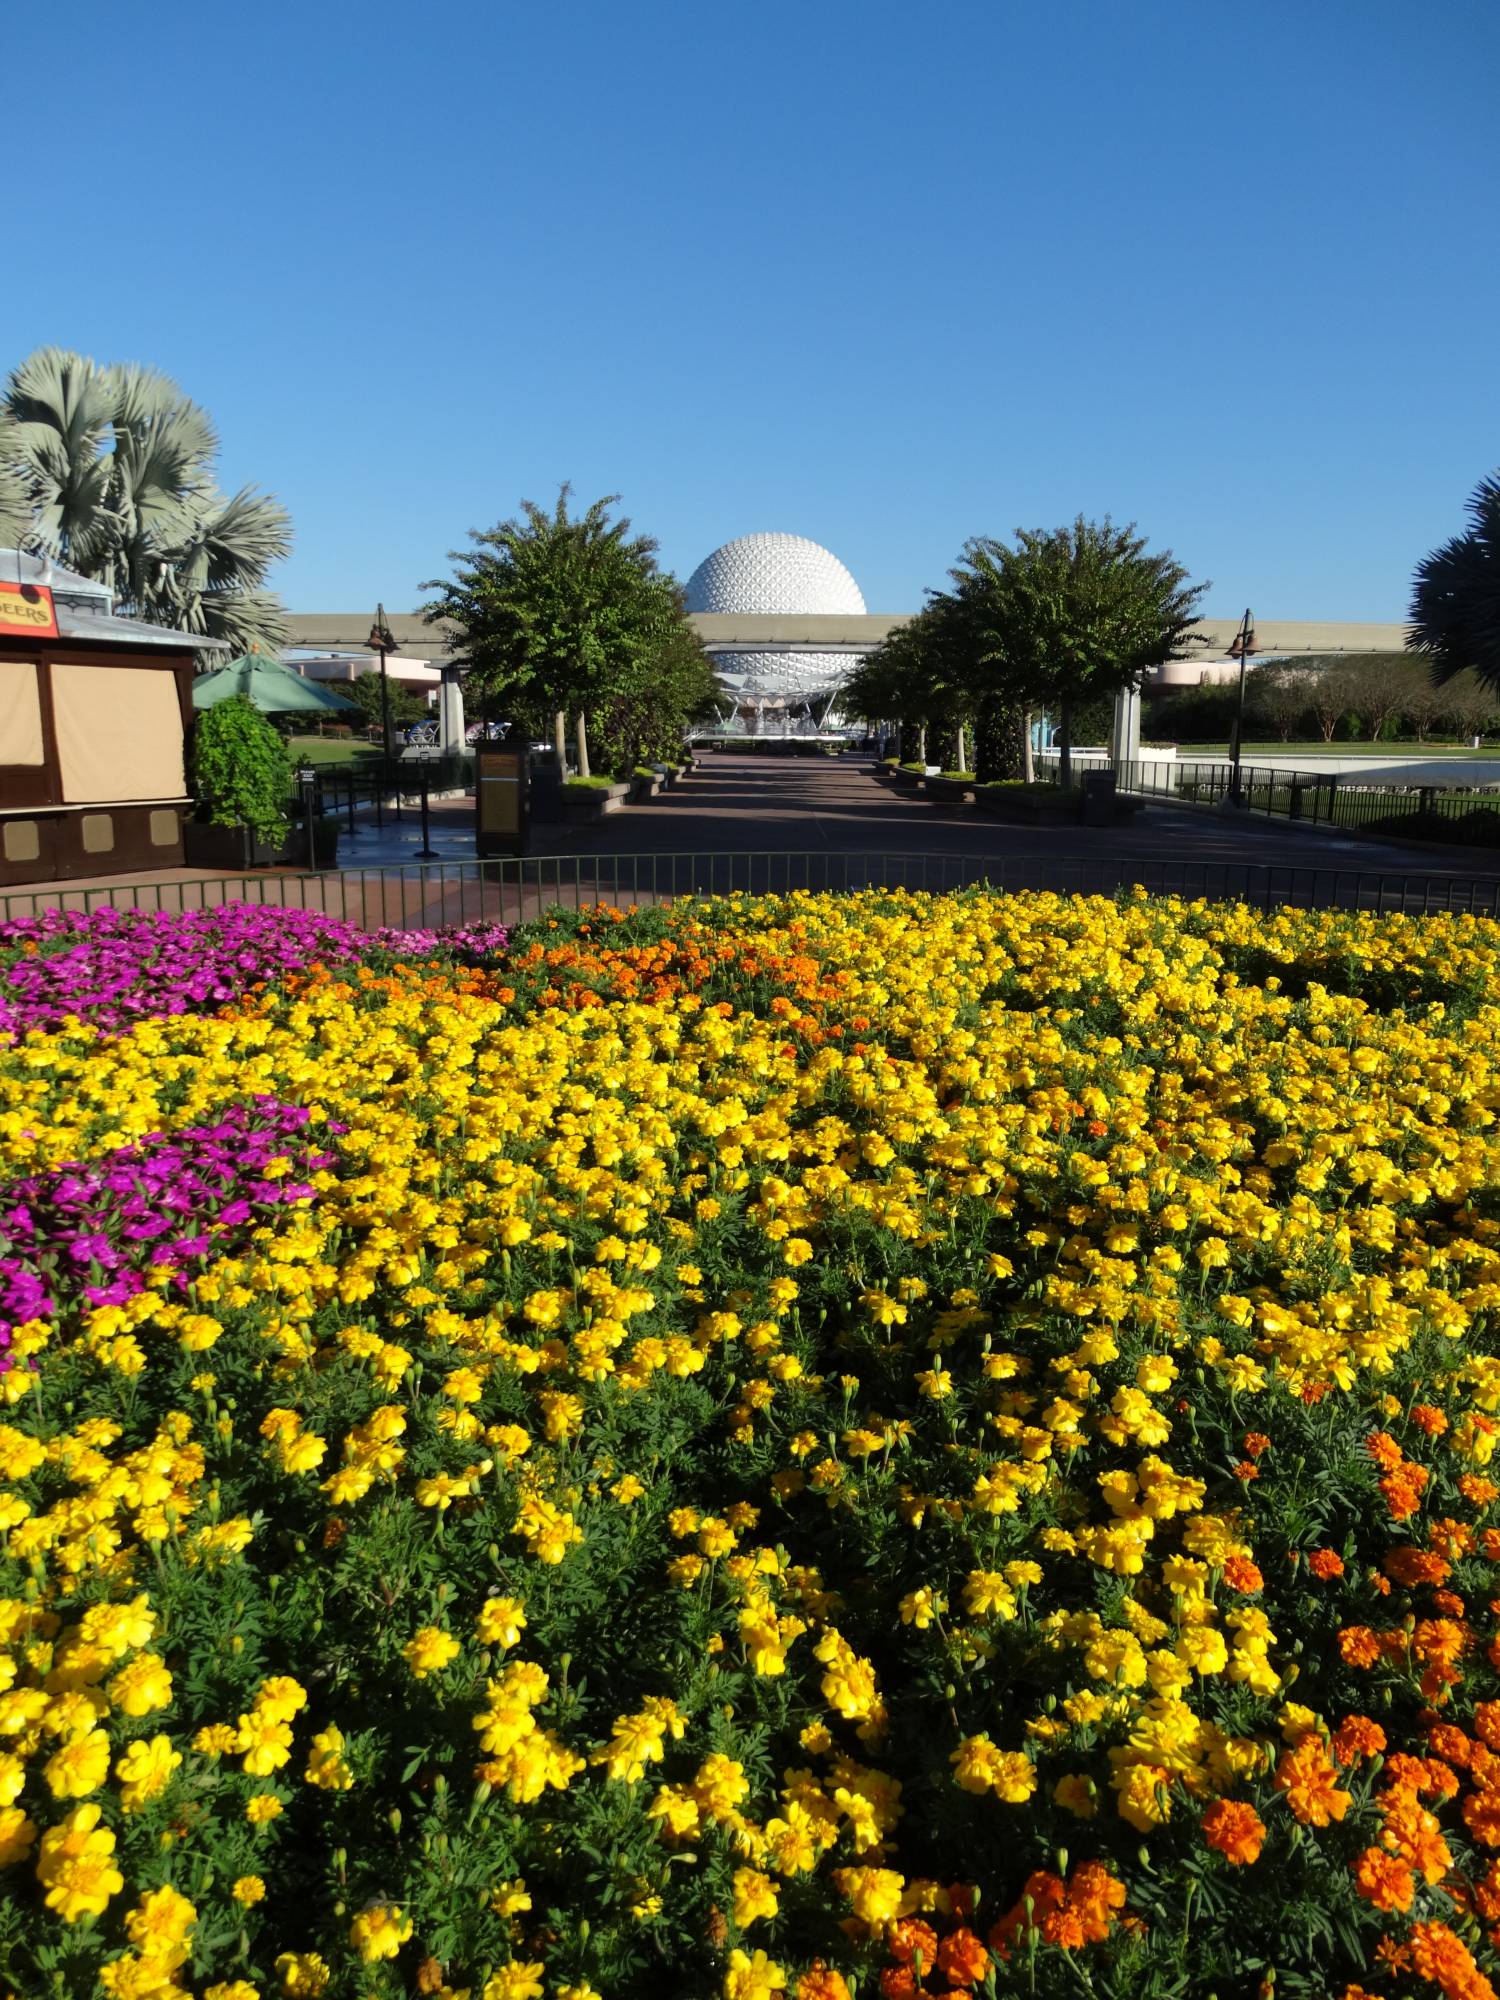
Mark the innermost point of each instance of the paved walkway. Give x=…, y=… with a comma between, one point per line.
x=773, y=823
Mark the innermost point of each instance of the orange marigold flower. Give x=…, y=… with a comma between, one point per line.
x=1384, y=1449
x=1241, y=1574
x=962, y=1958
x=1255, y=1443
x=1065, y=1928
x=1357, y=1736
x=1358, y=1646
x=1441, y=1956
x=1383, y=1880
x=1481, y=1811
x=1325, y=1563
x=1234, y=1830
x=1487, y=1722
x=899, y=1982
x=1489, y=1542
x=1448, y=1603
x=1413, y=1566
x=1429, y=1419
x=1306, y=1774
x=1097, y=1894
x=1450, y=1538
x=1403, y=1491
x=909, y=1937
x=1478, y=1492
x=821, y=1982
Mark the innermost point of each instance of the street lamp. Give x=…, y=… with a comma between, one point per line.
x=380, y=641
x=1241, y=649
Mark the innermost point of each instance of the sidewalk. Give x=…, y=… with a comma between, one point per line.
x=772, y=824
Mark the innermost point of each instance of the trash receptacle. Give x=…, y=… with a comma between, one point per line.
x=1098, y=798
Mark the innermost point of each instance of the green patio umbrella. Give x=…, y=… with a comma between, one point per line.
x=271, y=687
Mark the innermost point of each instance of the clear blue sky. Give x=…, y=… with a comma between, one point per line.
x=883, y=274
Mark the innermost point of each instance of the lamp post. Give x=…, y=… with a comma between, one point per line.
x=1241, y=649
x=381, y=642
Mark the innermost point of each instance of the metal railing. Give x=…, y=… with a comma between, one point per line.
x=1461, y=814
x=511, y=891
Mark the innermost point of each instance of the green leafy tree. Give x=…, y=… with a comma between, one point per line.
x=1070, y=613
x=564, y=611
x=1455, y=604
x=241, y=772
x=406, y=705
x=111, y=469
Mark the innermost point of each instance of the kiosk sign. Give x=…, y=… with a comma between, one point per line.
x=27, y=611
x=500, y=796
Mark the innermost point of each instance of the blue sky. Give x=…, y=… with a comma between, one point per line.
x=882, y=274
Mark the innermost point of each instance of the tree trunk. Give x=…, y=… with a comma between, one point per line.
x=960, y=746
x=1028, y=767
x=1065, y=745
x=921, y=756
x=583, y=746
x=560, y=742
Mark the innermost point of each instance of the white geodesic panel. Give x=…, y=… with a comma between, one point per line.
x=767, y=574
x=783, y=678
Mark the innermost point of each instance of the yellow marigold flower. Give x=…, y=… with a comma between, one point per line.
x=429, y=1650
x=216, y=1739
x=17, y=1835
x=263, y=1742
x=379, y=1931
x=875, y=1893
x=142, y=1686
x=303, y=1974
x=922, y=1607
x=145, y=1770
x=627, y=1490
x=281, y=1697
x=753, y=1977
x=509, y=1899
x=516, y=1981
x=755, y=1896
x=231, y=1989
x=796, y=1250
x=79, y=1767
x=262, y=1808
x=76, y=1866
x=161, y=1920
x=1076, y=1794
x=501, y=1621
x=249, y=1889
x=326, y=1765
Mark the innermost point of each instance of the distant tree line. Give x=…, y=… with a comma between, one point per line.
x=1332, y=698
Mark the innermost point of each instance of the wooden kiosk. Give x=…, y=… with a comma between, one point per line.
x=95, y=713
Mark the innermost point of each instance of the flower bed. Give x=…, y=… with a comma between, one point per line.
x=880, y=1444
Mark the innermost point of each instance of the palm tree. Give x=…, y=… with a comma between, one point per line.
x=1455, y=604
x=111, y=470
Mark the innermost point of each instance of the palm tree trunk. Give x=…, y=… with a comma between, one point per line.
x=583, y=746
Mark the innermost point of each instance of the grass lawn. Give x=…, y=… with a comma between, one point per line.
x=330, y=750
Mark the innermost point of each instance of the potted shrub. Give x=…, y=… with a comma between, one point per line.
x=242, y=780
x=592, y=798
x=951, y=787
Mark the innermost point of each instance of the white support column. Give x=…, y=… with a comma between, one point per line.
x=1125, y=741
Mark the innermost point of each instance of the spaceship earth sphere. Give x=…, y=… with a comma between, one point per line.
x=771, y=575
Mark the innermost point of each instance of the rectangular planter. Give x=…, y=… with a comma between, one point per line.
x=591, y=802
x=945, y=791
x=234, y=849
x=642, y=791
x=1027, y=812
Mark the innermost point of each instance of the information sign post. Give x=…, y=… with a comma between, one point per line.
x=501, y=796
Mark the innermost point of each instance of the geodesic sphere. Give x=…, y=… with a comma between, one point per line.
x=770, y=573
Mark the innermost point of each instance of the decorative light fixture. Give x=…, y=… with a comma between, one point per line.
x=1241, y=647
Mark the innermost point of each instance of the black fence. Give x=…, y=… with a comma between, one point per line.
x=1466, y=815
x=513, y=890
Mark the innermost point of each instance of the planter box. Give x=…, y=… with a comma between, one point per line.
x=907, y=780
x=1029, y=811
x=235, y=848
x=642, y=790
x=947, y=791
x=590, y=802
